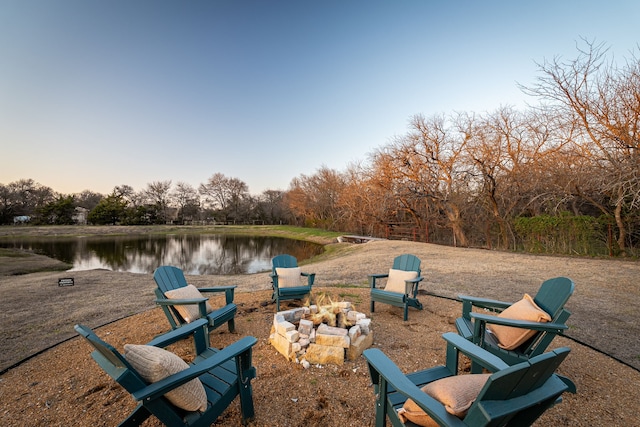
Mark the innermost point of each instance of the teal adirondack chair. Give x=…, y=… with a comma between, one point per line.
x=168, y=278
x=551, y=297
x=225, y=374
x=512, y=395
x=292, y=288
x=405, y=296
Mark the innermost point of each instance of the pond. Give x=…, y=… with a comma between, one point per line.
x=194, y=254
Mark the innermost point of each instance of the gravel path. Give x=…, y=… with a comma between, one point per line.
x=603, y=316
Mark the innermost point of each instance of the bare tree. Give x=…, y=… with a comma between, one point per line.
x=6, y=204
x=315, y=198
x=295, y=198
x=157, y=192
x=603, y=103
x=225, y=195
x=29, y=196
x=427, y=165
x=187, y=200
x=129, y=195
x=515, y=164
x=215, y=192
x=361, y=205
x=271, y=206
x=239, y=199
x=88, y=199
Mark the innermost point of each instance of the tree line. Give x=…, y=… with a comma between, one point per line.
x=220, y=200
x=562, y=176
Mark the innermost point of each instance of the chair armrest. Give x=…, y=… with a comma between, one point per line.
x=394, y=377
x=218, y=288
x=524, y=324
x=374, y=277
x=411, y=286
x=484, y=302
x=310, y=277
x=228, y=291
x=180, y=333
x=468, y=302
x=477, y=354
x=161, y=301
x=160, y=388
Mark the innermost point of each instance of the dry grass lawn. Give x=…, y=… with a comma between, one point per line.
x=63, y=386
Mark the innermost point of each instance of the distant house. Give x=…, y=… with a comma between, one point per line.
x=80, y=215
x=21, y=219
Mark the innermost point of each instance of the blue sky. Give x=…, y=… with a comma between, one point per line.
x=95, y=94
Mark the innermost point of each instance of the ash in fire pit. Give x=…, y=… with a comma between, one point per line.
x=321, y=334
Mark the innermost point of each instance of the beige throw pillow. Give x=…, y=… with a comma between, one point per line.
x=154, y=364
x=396, y=280
x=189, y=312
x=289, y=277
x=456, y=393
x=511, y=338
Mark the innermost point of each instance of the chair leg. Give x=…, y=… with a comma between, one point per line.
x=381, y=403
x=406, y=311
x=207, y=338
x=476, y=368
x=372, y=306
x=246, y=402
x=232, y=325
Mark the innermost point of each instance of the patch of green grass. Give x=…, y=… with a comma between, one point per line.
x=345, y=294
x=288, y=231
x=13, y=253
x=15, y=262
x=355, y=299
x=346, y=286
x=299, y=233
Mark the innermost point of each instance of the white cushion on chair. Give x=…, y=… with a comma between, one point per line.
x=289, y=277
x=189, y=312
x=154, y=364
x=396, y=280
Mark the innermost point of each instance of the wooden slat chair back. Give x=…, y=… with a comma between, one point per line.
x=293, y=292
x=168, y=278
x=512, y=396
x=551, y=297
x=225, y=375
x=409, y=298
x=554, y=294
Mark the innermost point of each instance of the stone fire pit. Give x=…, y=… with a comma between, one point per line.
x=321, y=334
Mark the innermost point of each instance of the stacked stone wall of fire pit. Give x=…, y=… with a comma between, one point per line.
x=319, y=335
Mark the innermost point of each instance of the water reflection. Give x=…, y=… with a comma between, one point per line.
x=194, y=254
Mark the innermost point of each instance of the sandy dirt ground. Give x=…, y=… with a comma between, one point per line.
x=64, y=384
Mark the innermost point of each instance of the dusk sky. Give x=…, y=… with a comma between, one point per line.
x=95, y=94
